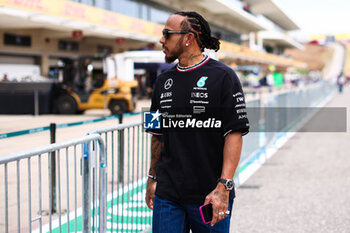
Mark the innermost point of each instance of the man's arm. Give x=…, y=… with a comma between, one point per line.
x=156, y=148
x=219, y=197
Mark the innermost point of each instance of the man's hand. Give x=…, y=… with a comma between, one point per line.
x=219, y=198
x=220, y=195
x=156, y=148
x=150, y=192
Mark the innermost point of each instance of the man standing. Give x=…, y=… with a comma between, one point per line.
x=193, y=162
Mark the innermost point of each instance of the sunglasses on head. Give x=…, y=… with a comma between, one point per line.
x=167, y=32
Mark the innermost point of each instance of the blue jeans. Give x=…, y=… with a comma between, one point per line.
x=171, y=217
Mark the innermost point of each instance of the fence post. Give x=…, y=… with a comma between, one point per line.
x=102, y=190
x=120, y=118
x=121, y=152
x=86, y=189
x=53, y=168
x=36, y=102
x=121, y=156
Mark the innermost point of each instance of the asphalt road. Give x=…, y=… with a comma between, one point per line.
x=304, y=187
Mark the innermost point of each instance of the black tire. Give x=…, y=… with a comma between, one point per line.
x=66, y=104
x=118, y=107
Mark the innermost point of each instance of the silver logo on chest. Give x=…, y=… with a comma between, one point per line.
x=168, y=83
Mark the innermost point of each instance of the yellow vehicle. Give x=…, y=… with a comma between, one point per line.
x=83, y=85
x=118, y=98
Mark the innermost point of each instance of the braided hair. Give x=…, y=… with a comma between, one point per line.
x=196, y=23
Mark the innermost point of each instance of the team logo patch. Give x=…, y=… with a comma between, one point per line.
x=201, y=81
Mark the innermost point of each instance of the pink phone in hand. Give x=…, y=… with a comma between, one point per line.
x=206, y=212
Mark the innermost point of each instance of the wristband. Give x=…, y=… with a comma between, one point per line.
x=152, y=177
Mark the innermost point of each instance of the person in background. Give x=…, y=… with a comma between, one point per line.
x=340, y=82
x=270, y=81
x=5, y=78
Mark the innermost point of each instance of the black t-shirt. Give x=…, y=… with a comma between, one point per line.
x=209, y=100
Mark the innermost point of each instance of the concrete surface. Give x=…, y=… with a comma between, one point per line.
x=12, y=123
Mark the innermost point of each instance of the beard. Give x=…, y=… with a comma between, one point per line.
x=178, y=50
x=170, y=59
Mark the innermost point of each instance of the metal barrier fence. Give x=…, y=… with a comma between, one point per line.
x=272, y=115
x=282, y=112
x=251, y=140
x=128, y=150
x=114, y=177
x=26, y=187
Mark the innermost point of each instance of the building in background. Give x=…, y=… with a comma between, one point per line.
x=276, y=38
x=48, y=32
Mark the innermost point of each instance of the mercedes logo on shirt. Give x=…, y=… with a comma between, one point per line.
x=168, y=83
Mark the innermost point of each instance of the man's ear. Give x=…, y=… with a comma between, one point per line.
x=190, y=39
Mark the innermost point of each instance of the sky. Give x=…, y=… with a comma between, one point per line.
x=318, y=16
